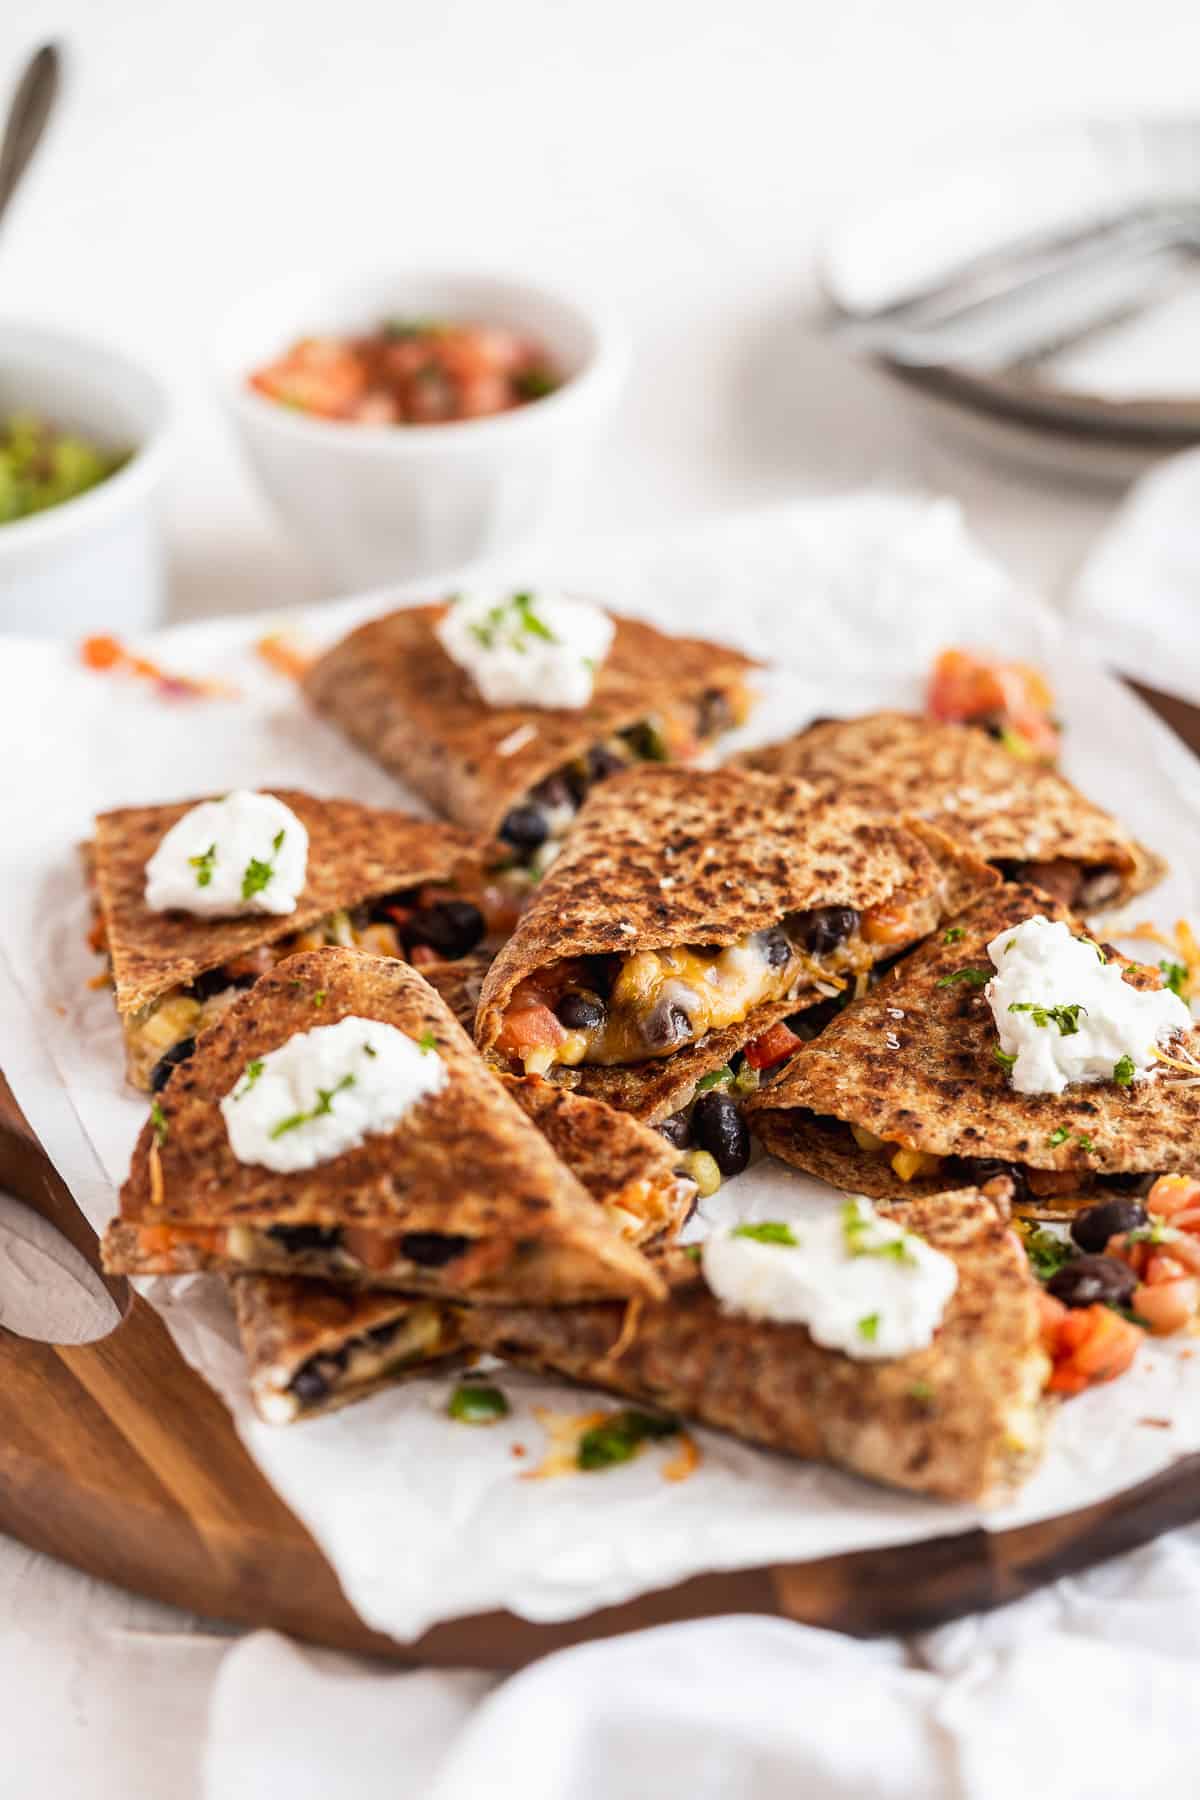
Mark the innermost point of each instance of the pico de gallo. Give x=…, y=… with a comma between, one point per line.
x=1010, y=701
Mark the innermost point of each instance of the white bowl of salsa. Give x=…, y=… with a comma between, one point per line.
x=404, y=425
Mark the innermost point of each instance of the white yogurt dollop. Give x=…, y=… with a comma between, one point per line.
x=861, y=1284
x=247, y=853
x=324, y=1091
x=1066, y=1014
x=528, y=649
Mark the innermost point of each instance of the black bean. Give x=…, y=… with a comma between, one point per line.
x=179, y=1052
x=309, y=1384
x=451, y=927
x=719, y=1128
x=525, y=827
x=825, y=927
x=581, y=1012
x=305, y=1237
x=983, y=1168
x=1092, y=1229
x=1088, y=1279
x=215, y=981
x=775, y=946
x=379, y=1335
x=667, y=1023
x=677, y=1130
x=603, y=762
x=714, y=713
x=431, y=1249
x=554, y=791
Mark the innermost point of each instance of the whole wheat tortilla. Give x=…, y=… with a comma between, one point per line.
x=914, y=1063
x=463, y=1163
x=662, y=856
x=392, y=688
x=961, y=1420
x=1005, y=809
x=355, y=853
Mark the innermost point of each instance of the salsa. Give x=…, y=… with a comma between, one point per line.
x=411, y=372
x=41, y=467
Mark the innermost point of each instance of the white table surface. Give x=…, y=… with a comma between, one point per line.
x=676, y=158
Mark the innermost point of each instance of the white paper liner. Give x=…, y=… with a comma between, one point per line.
x=422, y=1519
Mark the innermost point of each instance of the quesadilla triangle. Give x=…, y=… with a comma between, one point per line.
x=962, y=1419
x=689, y=912
x=1025, y=819
x=521, y=772
x=903, y=1092
x=383, y=881
x=312, y=1346
x=461, y=1196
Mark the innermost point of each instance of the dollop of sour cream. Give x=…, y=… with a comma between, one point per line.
x=247, y=853
x=527, y=648
x=325, y=1091
x=860, y=1283
x=1065, y=1014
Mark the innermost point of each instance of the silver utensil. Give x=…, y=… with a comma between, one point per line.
x=28, y=113
x=1013, y=305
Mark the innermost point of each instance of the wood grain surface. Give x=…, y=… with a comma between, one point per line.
x=118, y=1458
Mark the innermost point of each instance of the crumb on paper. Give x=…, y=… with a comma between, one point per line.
x=108, y=655
x=1159, y=1424
x=286, y=653
x=518, y=1450
x=686, y=1460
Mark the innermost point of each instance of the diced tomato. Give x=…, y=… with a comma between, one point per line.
x=161, y=1240
x=421, y=954
x=501, y=908
x=1166, y=1305
x=529, y=1026
x=101, y=652
x=966, y=688
x=1173, y=1194
x=772, y=1047
x=886, y=925
x=1091, y=1344
x=374, y=1249
x=254, y=962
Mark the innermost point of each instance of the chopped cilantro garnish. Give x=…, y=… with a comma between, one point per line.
x=477, y=1403
x=620, y=1438
x=159, y=1121
x=1058, y=1137
x=1046, y=1252
x=1065, y=1017
x=694, y=1251
x=1156, y=1232
x=370, y=1050
x=203, y=865
x=256, y=878
x=1085, y=1143
x=1003, y=1058
x=319, y=997
x=427, y=1041
x=767, y=1231
x=920, y=1390
x=854, y=1224
x=955, y=932
x=1091, y=942
x=1174, y=976
x=524, y=604
x=535, y=384
x=972, y=977
x=325, y=1097
x=1123, y=1072
x=253, y=1071
x=868, y=1327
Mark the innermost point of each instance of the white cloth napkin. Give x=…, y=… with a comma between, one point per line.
x=1084, y=1691
x=1136, y=600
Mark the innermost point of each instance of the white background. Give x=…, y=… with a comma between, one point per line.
x=675, y=158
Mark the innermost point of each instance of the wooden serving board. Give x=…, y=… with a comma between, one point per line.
x=118, y=1458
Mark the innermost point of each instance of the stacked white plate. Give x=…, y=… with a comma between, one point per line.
x=1103, y=402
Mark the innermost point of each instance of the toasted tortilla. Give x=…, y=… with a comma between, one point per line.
x=962, y=1420
x=913, y=1062
x=344, y=1345
x=463, y=1198
x=662, y=857
x=392, y=688
x=356, y=853
x=1007, y=810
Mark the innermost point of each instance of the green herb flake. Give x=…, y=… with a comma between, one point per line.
x=695, y=1251
x=536, y=384
x=868, y=1327
x=159, y=1121
x=1065, y=1017
x=426, y=1042
x=524, y=605
x=370, y=1050
x=854, y=1225
x=1058, y=1137
x=319, y=997
x=325, y=1098
x=253, y=1071
x=620, y=1438
x=257, y=877
x=972, y=977
x=767, y=1231
x=1047, y=1253
x=1003, y=1058
x=1123, y=1072
x=203, y=865
x=715, y=1078
x=922, y=1391
x=954, y=934
x=1085, y=1143
x=477, y=1403
x=1174, y=976
x=1093, y=945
